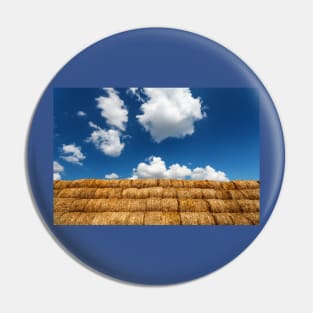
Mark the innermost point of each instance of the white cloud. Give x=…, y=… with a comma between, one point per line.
x=135, y=92
x=111, y=176
x=155, y=167
x=113, y=109
x=72, y=153
x=169, y=112
x=56, y=176
x=81, y=113
x=107, y=141
x=57, y=169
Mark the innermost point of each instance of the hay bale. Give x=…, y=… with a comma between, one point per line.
x=146, y=182
x=246, y=184
x=189, y=183
x=135, y=218
x=249, y=205
x=228, y=185
x=224, y=206
x=85, y=218
x=102, y=193
x=171, y=218
x=110, y=218
x=170, y=205
x=56, y=192
x=79, y=205
x=223, y=194
x=81, y=193
x=133, y=205
x=153, y=204
x=251, y=194
x=155, y=192
x=169, y=193
x=153, y=218
x=209, y=184
x=236, y=194
x=208, y=193
x=164, y=182
x=198, y=218
x=240, y=219
x=254, y=218
x=143, y=193
x=67, y=218
x=125, y=183
x=105, y=205
x=61, y=184
x=115, y=193
x=62, y=204
x=223, y=219
x=193, y=205
x=183, y=193
x=130, y=193
x=177, y=183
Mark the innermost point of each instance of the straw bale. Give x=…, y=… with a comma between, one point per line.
x=240, y=219
x=115, y=193
x=246, y=184
x=189, y=183
x=57, y=217
x=254, y=218
x=153, y=204
x=104, y=205
x=223, y=194
x=223, y=219
x=177, y=183
x=155, y=192
x=236, y=194
x=135, y=205
x=130, y=193
x=79, y=205
x=193, y=205
x=62, y=204
x=110, y=218
x=60, y=184
x=68, y=218
x=146, y=182
x=224, y=206
x=183, y=193
x=189, y=193
x=169, y=193
x=85, y=218
x=165, y=183
x=169, y=205
x=143, y=193
x=199, y=218
x=249, y=205
x=154, y=218
x=125, y=183
x=251, y=194
x=171, y=218
x=56, y=192
x=135, y=218
x=208, y=193
x=84, y=193
x=228, y=185
x=102, y=193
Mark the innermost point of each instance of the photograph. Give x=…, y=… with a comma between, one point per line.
x=156, y=156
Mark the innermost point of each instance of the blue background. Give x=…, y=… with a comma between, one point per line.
x=158, y=58
x=226, y=139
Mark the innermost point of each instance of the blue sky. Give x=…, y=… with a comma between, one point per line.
x=191, y=133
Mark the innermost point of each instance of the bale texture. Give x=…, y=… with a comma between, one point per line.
x=156, y=202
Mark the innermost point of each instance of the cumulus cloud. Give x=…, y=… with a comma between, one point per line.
x=113, y=109
x=169, y=112
x=81, y=113
x=111, y=176
x=107, y=141
x=72, y=154
x=155, y=167
x=57, y=170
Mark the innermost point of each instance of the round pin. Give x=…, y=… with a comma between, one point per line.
x=155, y=156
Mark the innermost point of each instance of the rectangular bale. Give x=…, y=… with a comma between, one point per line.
x=224, y=206
x=193, y=205
x=135, y=218
x=153, y=218
x=249, y=205
x=169, y=205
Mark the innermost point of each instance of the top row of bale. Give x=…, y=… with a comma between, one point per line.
x=156, y=182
